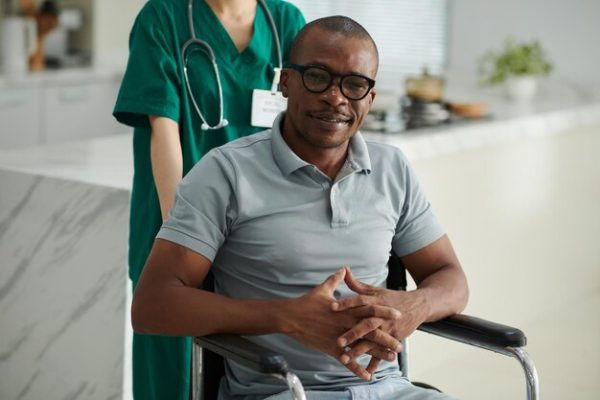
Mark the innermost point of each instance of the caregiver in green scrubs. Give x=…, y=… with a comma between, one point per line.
x=168, y=137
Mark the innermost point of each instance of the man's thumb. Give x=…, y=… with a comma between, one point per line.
x=354, y=284
x=335, y=279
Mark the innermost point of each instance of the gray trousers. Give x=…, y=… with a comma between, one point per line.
x=391, y=388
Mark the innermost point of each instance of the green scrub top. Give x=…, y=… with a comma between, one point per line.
x=154, y=85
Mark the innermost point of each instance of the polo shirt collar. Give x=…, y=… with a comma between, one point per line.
x=288, y=161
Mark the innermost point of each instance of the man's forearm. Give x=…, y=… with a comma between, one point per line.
x=441, y=282
x=444, y=293
x=184, y=311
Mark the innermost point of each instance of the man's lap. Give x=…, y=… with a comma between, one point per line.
x=391, y=388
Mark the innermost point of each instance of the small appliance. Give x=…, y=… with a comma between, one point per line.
x=19, y=42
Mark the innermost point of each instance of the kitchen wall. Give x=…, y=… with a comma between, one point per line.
x=567, y=29
x=113, y=20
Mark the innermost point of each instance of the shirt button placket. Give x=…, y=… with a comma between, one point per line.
x=336, y=214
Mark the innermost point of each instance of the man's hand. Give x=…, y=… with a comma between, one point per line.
x=316, y=325
x=411, y=306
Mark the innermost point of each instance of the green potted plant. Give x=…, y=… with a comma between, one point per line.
x=517, y=65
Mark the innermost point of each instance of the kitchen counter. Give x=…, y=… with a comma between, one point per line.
x=63, y=242
x=108, y=161
x=61, y=77
x=558, y=107
x=63, y=282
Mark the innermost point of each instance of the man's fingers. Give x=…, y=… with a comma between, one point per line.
x=359, y=330
x=376, y=311
x=358, y=349
x=385, y=340
x=373, y=363
x=356, y=285
x=361, y=347
x=368, y=329
x=366, y=347
x=352, y=302
x=382, y=353
x=334, y=280
x=358, y=370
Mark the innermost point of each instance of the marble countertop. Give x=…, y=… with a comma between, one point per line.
x=108, y=161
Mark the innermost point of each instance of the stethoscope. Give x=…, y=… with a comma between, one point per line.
x=211, y=56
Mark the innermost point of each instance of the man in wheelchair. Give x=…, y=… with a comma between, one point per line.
x=296, y=224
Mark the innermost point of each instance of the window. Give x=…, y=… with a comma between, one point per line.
x=410, y=34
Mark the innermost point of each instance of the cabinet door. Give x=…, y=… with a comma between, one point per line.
x=19, y=117
x=79, y=112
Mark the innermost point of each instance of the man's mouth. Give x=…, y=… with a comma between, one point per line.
x=331, y=118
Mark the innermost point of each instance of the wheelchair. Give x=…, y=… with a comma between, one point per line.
x=469, y=330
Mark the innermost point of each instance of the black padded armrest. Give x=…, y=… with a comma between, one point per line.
x=476, y=331
x=245, y=352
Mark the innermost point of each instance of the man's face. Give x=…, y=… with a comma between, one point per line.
x=328, y=119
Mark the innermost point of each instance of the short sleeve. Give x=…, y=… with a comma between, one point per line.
x=151, y=82
x=204, y=207
x=417, y=226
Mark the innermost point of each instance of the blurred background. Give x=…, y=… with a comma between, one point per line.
x=496, y=103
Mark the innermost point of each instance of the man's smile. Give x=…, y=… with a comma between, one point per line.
x=328, y=118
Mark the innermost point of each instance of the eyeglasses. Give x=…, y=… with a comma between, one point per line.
x=317, y=79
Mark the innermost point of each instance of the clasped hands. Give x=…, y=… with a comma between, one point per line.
x=368, y=323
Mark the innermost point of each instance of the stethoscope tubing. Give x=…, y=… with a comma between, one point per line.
x=211, y=56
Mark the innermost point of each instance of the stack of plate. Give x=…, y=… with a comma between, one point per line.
x=420, y=113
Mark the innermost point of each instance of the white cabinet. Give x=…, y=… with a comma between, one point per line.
x=78, y=112
x=19, y=117
x=50, y=109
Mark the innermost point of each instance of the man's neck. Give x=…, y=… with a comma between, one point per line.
x=328, y=160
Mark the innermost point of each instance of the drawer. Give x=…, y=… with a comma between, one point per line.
x=79, y=112
x=19, y=117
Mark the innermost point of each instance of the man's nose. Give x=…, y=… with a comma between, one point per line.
x=333, y=95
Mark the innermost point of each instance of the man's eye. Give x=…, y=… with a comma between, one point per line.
x=316, y=76
x=356, y=84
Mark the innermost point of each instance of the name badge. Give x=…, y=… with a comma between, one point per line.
x=265, y=107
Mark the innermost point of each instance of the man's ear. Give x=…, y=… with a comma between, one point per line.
x=283, y=82
x=371, y=96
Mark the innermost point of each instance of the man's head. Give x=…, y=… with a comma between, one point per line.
x=329, y=85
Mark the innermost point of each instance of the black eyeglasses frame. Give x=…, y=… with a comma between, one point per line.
x=303, y=68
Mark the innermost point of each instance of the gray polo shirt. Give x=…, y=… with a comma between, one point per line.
x=275, y=226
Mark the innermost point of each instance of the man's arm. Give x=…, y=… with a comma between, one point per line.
x=440, y=279
x=167, y=301
x=441, y=291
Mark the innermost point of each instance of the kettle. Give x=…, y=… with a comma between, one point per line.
x=19, y=42
x=425, y=87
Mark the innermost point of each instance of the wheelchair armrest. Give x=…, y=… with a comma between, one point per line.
x=245, y=352
x=476, y=332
